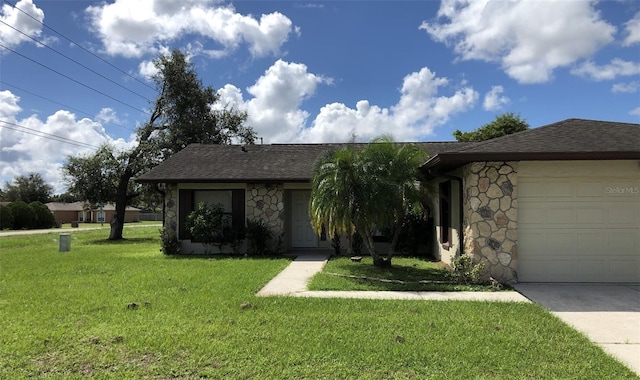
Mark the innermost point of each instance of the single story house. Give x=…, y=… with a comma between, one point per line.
x=557, y=203
x=86, y=213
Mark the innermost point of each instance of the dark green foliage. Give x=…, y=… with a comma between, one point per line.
x=259, y=236
x=367, y=190
x=28, y=188
x=504, y=124
x=6, y=217
x=65, y=198
x=23, y=216
x=335, y=243
x=170, y=244
x=415, y=230
x=43, y=217
x=356, y=244
x=93, y=177
x=207, y=224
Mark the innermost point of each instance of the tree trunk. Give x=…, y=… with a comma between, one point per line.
x=378, y=260
x=121, y=205
x=394, y=240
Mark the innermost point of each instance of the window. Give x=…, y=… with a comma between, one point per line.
x=445, y=214
x=81, y=216
x=100, y=216
x=231, y=200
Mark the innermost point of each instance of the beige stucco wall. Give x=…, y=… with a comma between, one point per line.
x=441, y=252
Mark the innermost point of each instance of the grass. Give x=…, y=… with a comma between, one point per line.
x=72, y=315
x=410, y=270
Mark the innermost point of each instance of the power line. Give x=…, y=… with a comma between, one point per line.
x=74, y=80
x=76, y=62
x=63, y=105
x=45, y=135
x=80, y=46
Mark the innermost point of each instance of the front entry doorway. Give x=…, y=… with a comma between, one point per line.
x=302, y=234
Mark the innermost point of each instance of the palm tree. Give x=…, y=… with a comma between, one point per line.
x=367, y=190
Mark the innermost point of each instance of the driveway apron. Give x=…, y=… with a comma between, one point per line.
x=608, y=314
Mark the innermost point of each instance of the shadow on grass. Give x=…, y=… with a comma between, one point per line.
x=399, y=272
x=226, y=256
x=124, y=241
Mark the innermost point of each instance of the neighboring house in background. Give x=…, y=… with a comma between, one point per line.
x=82, y=212
x=558, y=203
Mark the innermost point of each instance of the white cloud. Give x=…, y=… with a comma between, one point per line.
x=132, y=28
x=147, y=69
x=275, y=108
x=21, y=151
x=529, y=39
x=16, y=20
x=635, y=111
x=616, y=68
x=277, y=96
x=630, y=87
x=493, y=100
x=632, y=30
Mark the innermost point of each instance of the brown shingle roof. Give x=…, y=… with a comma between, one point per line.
x=271, y=162
x=571, y=139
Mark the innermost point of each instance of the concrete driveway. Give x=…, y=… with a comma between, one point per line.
x=608, y=314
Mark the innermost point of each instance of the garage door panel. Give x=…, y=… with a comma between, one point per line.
x=622, y=216
x=561, y=242
x=579, y=221
x=561, y=215
x=591, y=244
x=559, y=189
x=589, y=189
x=624, y=242
x=626, y=270
x=591, y=216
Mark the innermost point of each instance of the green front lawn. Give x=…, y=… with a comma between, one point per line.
x=122, y=310
x=406, y=274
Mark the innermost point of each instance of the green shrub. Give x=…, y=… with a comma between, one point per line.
x=259, y=235
x=170, y=243
x=23, y=216
x=6, y=217
x=43, y=216
x=465, y=271
x=209, y=225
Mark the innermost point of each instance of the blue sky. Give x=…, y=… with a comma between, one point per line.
x=310, y=71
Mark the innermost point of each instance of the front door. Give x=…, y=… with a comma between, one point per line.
x=302, y=234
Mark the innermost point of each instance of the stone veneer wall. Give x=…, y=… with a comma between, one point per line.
x=266, y=202
x=490, y=217
x=171, y=207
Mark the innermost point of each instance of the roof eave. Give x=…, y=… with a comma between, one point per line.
x=445, y=162
x=221, y=180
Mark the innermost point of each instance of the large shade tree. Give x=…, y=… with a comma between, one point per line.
x=183, y=113
x=27, y=188
x=368, y=189
x=504, y=124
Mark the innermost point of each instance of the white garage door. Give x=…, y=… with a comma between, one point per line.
x=579, y=221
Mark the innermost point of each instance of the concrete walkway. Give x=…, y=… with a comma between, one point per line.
x=292, y=281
